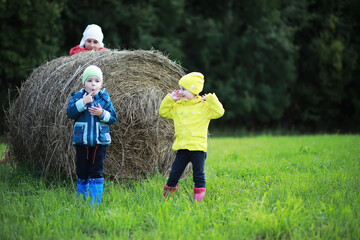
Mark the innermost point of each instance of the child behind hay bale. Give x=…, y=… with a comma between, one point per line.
x=92, y=40
x=191, y=114
x=93, y=111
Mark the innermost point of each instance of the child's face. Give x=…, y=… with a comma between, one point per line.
x=92, y=44
x=93, y=85
x=186, y=93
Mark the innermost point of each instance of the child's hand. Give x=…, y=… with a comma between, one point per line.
x=96, y=111
x=87, y=98
x=175, y=95
x=203, y=97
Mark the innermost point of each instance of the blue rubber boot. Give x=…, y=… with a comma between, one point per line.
x=82, y=187
x=96, y=190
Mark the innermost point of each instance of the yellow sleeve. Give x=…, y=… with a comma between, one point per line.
x=166, y=107
x=216, y=109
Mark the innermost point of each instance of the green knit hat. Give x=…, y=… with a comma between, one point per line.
x=92, y=70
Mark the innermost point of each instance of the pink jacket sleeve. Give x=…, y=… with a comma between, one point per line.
x=78, y=49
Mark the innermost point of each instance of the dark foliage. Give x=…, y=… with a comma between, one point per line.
x=273, y=63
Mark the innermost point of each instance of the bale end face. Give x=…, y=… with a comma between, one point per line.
x=41, y=132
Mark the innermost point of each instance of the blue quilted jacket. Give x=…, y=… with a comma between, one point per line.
x=89, y=130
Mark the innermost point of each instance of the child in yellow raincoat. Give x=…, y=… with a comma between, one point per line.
x=191, y=114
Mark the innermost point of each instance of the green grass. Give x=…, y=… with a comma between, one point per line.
x=298, y=187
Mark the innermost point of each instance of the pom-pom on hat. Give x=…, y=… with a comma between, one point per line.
x=92, y=70
x=194, y=82
x=92, y=31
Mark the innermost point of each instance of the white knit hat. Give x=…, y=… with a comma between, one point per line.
x=92, y=31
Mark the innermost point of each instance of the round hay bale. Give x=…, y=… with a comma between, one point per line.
x=41, y=132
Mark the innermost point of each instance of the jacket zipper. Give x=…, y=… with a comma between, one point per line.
x=92, y=129
x=185, y=122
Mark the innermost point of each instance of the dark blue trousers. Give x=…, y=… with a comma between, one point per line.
x=90, y=161
x=182, y=159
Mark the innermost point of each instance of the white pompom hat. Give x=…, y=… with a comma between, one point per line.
x=92, y=31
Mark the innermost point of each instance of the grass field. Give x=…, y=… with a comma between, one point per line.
x=298, y=187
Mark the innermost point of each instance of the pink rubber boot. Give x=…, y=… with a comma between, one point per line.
x=199, y=194
x=169, y=191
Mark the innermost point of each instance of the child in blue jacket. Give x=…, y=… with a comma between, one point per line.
x=93, y=112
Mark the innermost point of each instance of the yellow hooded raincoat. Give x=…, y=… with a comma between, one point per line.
x=191, y=120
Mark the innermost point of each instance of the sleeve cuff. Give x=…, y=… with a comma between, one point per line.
x=105, y=117
x=80, y=105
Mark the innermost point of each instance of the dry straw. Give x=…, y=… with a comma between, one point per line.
x=40, y=131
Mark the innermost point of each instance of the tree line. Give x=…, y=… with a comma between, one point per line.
x=273, y=63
